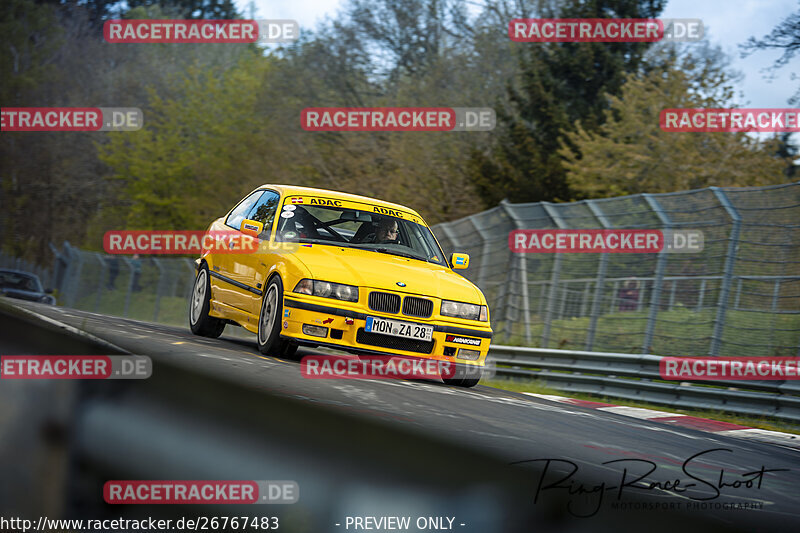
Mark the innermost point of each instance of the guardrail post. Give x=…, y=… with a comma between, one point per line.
x=602, y=268
x=554, y=276
x=727, y=275
x=522, y=261
x=655, y=299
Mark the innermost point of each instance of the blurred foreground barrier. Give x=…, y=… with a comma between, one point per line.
x=636, y=377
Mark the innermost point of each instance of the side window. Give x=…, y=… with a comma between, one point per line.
x=264, y=211
x=239, y=213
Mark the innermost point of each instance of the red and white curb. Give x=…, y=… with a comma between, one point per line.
x=686, y=421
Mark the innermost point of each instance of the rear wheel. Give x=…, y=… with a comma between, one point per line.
x=199, y=321
x=269, y=320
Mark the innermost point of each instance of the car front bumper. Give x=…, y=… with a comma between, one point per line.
x=345, y=330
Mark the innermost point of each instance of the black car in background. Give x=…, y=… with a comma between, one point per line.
x=25, y=286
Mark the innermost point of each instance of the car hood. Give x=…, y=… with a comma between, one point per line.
x=383, y=271
x=22, y=295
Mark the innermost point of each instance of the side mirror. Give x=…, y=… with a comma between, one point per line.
x=251, y=227
x=459, y=261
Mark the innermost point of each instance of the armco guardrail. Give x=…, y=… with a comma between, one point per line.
x=636, y=377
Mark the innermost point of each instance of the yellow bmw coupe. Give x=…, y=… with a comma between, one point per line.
x=343, y=271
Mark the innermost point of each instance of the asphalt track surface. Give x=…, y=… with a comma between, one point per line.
x=512, y=427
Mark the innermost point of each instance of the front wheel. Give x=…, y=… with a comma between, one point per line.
x=199, y=304
x=269, y=320
x=465, y=376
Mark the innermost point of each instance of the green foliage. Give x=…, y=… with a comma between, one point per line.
x=557, y=84
x=630, y=153
x=177, y=171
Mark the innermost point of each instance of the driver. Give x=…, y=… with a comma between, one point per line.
x=386, y=232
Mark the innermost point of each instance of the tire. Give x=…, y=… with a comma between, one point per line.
x=289, y=350
x=269, y=320
x=465, y=377
x=199, y=304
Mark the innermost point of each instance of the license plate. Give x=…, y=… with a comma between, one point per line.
x=396, y=328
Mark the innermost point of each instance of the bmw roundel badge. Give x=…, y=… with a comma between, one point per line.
x=401, y=284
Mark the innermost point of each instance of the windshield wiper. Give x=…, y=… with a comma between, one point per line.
x=398, y=252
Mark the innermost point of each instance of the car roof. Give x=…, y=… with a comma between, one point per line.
x=20, y=272
x=289, y=190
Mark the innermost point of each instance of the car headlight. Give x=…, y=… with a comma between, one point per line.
x=464, y=310
x=327, y=289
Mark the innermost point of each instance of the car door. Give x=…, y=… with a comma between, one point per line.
x=230, y=285
x=251, y=268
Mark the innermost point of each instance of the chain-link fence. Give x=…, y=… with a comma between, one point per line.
x=149, y=288
x=739, y=297
x=11, y=262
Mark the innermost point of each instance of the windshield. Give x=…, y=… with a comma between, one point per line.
x=21, y=282
x=356, y=228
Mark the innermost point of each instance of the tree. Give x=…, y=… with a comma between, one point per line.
x=557, y=84
x=785, y=36
x=190, y=161
x=630, y=154
x=788, y=151
x=192, y=9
